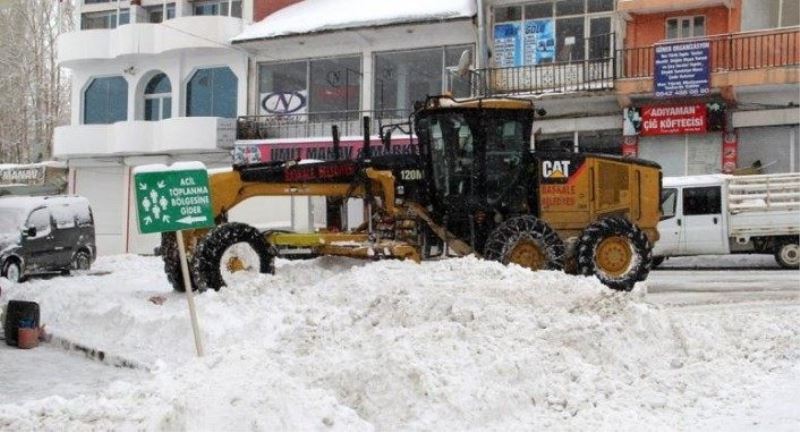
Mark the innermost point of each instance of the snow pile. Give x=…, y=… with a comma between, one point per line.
x=336, y=344
x=311, y=16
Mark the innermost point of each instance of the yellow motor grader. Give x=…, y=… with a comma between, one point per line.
x=472, y=187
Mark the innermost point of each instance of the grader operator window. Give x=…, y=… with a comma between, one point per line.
x=505, y=145
x=453, y=154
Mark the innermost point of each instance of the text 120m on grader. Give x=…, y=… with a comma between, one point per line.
x=473, y=187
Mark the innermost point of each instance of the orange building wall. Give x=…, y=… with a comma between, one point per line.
x=646, y=30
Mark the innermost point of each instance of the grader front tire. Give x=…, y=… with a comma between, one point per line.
x=172, y=260
x=229, y=248
x=526, y=241
x=616, y=251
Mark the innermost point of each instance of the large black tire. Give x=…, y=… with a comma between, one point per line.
x=82, y=261
x=207, y=262
x=656, y=261
x=527, y=241
x=19, y=310
x=627, y=253
x=172, y=260
x=12, y=270
x=787, y=254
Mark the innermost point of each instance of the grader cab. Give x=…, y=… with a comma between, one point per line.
x=474, y=187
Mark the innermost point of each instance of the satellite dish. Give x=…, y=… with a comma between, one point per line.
x=464, y=63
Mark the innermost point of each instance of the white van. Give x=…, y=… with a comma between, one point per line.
x=721, y=214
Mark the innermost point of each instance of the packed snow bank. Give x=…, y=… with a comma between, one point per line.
x=310, y=16
x=460, y=344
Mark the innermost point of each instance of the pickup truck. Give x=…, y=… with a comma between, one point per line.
x=722, y=214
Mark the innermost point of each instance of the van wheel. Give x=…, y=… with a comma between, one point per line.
x=788, y=254
x=81, y=261
x=526, y=241
x=12, y=271
x=616, y=251
x=230, y=248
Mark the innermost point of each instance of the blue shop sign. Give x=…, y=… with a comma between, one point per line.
x=682, y=69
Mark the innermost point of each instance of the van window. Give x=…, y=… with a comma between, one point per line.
x=669, y=198
x=702, y=201
x=63, y=216
x=40, y=219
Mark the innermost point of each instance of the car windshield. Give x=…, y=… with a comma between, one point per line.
x=10, y=220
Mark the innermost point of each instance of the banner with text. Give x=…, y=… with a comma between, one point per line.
x=246, y=154
x=674, y=119
x=682, y=69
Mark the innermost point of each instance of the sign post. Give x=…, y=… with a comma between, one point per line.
x=174, y=199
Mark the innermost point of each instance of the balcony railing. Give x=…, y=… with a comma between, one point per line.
x=728, y=52
x=316, y=124
x=587, y=66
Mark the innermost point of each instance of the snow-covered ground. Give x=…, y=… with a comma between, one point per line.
x=462, y=344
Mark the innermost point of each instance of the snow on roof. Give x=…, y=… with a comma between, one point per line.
x=312, y=16
x=177, y=166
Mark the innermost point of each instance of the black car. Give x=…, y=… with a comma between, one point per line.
x=45, y=234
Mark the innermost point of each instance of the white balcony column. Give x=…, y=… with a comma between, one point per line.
x=132, y=79
x=183, y=8
x=367, y=81
x=137, y=13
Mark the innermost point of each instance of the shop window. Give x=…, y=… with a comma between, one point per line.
x=601, y=6
x=548, y=31
x=105, y=20
x=212, y=93
x=506, y=14
x=157, y=14
x=327, y=87
x=402, y=78
x=570, y=7
x=686, y=27
x=105, y=101
x=765, y=14
x=158, y=98
x=604, y=142
x=702, y=201
x=218, y=7
x=555, y=143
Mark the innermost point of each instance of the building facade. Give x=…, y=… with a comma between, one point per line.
x=162, y=81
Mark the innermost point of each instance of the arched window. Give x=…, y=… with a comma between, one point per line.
x=158, y=98
x=105, y=101
x=212, y=93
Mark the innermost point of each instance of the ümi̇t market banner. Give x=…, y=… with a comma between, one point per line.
x=674, y=119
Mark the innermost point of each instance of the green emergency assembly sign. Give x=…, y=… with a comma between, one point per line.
x=172, y=200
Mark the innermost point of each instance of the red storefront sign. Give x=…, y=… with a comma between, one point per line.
x=674, y=119
x=630, y=146
x=730, y=151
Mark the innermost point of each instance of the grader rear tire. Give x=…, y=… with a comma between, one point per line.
x=616, y=251
x=526, y=241
x=229, y=248
x=172, y=260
